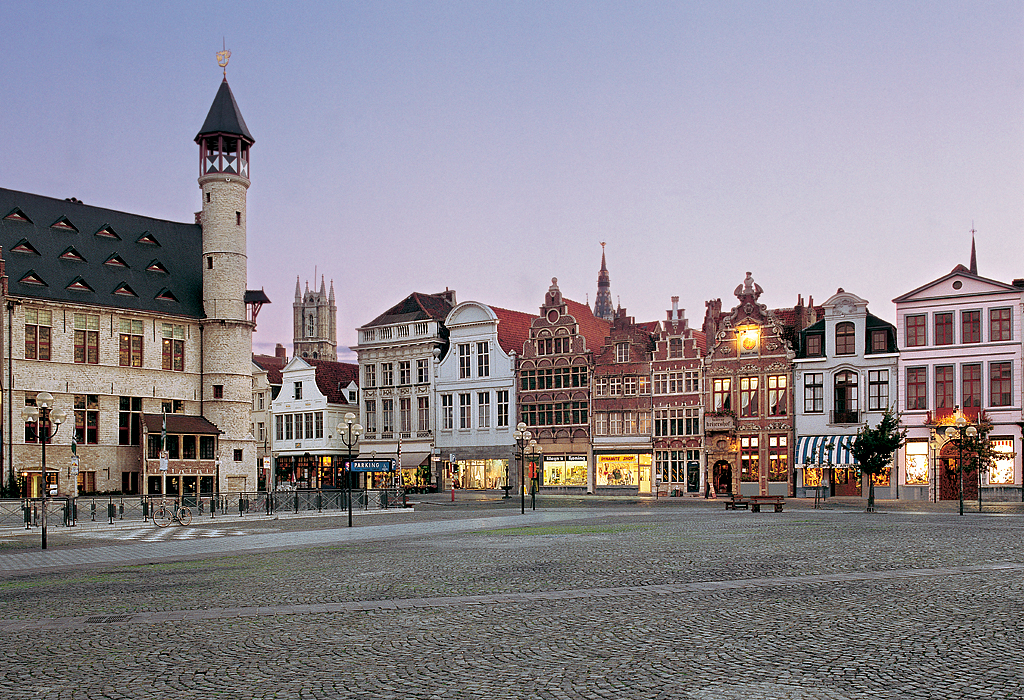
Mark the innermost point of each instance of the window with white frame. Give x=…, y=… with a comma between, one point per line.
x=483, y=413
x=503, y=407
x=483, y=360
x=622, y=352
x=447, y=412
x=465, y=360
x=465, y=408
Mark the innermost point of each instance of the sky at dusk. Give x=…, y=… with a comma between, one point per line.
x=490, y=146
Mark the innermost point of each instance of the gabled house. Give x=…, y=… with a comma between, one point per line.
x=960, y=349
x=476, y=396
x=844, y=377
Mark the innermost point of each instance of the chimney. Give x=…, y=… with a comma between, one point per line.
x=279, y=351
x=675, y=308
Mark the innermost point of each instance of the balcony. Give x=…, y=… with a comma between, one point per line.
x=844, y=417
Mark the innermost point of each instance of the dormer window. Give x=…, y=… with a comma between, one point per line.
x=108, y=232
x=72, y=254
x=17, y=215
x=64, y=224
x=879, y=340
x=23, y=246
x=845, y=336
x=116, y=260
x=813, y=345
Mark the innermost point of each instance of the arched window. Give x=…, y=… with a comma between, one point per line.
x=845, y=398
x=845, y=337
x=310, y=326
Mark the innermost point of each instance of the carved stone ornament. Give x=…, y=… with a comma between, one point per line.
x=771, y=346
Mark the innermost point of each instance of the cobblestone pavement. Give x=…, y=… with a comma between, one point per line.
x=594, y=599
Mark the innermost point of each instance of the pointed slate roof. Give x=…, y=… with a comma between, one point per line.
x=224, y=116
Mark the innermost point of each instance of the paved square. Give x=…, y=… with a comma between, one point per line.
x=578, y=600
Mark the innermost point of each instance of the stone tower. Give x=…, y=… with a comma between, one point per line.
x=224, y=143
x=603, y=301
x=315, y=323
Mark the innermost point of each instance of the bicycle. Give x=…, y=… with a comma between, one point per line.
x=163, y=515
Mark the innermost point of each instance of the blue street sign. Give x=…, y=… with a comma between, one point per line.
x=372, y=465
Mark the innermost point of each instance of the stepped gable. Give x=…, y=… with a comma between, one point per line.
x=333, y=378
x=111, y=249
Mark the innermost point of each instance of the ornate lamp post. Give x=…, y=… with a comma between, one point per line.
x=522, y=437
x=45, y=415
x=957, y=431
x=349, y=431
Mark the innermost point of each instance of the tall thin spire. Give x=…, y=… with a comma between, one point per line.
x=603, y=300
x=974, y=253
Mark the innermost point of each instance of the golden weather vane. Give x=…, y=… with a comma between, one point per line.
x=222, y=59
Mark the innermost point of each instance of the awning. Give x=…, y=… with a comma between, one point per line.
x=825, y=450
x=409, y=459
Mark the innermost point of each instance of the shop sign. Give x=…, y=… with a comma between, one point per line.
x=372, y=465
x=713, y=423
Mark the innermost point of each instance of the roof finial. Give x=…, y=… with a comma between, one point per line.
x=974, y=253
x=223, y=57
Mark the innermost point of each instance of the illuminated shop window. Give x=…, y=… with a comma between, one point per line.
x=916, y=466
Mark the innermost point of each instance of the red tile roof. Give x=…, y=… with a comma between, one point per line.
x=333, y=378
x=594, y=329
x=702, y=341
x=513, y=329
x=273, y=365
x=179, y=424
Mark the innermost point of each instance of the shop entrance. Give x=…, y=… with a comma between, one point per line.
x=949, y=483
x=722, y=475
x=846, y=481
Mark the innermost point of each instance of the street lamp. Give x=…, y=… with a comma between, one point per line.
x=349, y=431
x=957, y=431
x=45, y=415
x=522, y=437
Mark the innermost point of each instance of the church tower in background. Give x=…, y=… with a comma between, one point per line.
x=603, y=301
x=315, y=323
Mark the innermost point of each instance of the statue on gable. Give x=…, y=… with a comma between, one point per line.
x=749, y=288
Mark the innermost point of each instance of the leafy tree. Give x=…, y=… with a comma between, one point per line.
x=875, y=447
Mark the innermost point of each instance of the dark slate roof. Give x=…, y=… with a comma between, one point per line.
x=417, y=307
x=333, y=378
x=78, y=250
x=224, y=116
x=179, y=424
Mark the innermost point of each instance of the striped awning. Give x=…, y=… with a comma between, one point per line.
x=830, y=450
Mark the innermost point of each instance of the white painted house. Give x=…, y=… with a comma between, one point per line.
x=845, y=377
x=476, y=396
x=960, y=348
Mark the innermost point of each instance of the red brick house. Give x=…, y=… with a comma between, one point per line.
x=748, y=377
x=621, y=413
x=554, y=375
x=677, y=407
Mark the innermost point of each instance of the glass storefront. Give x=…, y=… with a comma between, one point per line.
x=625, y=470
x=565, y=470
x=916, y=467
x=1001, y=472
x=480, y=474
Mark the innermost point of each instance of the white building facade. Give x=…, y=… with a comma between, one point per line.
x=308, y=451
x=960, y=349
x=845, y=374
x=476, y=396
x=397, y=351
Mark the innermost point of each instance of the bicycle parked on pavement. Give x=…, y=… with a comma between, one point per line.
x=164, y=515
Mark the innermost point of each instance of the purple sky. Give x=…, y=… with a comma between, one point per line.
x=488, y=147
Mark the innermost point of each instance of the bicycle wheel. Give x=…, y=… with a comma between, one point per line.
x=162, y=516
x=184, y=515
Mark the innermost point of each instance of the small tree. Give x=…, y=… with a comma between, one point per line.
x=875, y=447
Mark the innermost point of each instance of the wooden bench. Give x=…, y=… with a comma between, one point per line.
x=757, y=501
x=737, y=502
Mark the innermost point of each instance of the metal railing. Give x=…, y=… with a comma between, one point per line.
x=67, y=512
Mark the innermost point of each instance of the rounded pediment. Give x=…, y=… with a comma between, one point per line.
x=470, y=312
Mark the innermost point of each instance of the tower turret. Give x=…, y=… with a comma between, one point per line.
x=224, y=143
